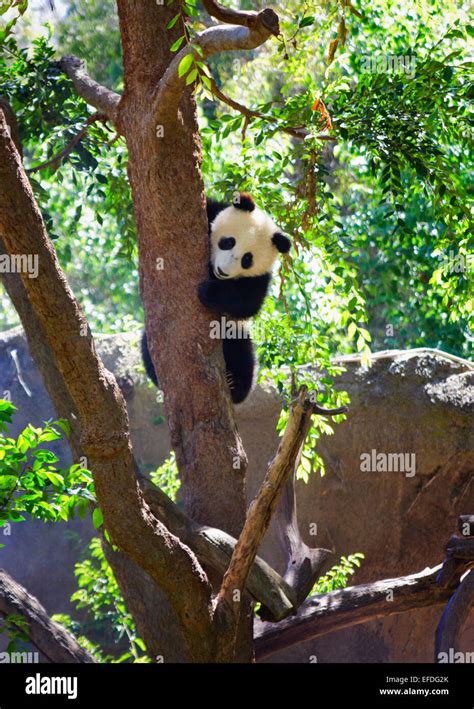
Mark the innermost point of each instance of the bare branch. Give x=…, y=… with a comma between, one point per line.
x=304, y=563
x=336, y=610
x=267, y=17
x=211, y=41
x=261, y=509
x=103, y=99
x=51, y=639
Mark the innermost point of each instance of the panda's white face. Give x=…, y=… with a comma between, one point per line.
x=241, y=243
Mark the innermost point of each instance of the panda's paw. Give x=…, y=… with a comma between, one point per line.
x=208, y=292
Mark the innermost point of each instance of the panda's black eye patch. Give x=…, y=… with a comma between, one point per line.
x=247, y=260
x=226, y=243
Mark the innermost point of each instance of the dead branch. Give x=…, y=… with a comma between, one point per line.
x=103, y=99
x=261, y=509
x=50, y=638
x=336, y=610
x=304, y=563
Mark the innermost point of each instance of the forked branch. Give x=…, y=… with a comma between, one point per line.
x=250, y=32
x=261, y=510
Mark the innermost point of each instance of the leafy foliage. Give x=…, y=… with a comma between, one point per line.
x=166, y=477
x=107, y=616
x=338, y=575
x=31, y=484
x=84, y=199
x=15, y=627
x=30, y=481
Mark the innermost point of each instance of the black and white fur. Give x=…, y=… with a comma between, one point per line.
x=244, y=244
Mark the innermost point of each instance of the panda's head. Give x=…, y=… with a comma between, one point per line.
x=245, y=242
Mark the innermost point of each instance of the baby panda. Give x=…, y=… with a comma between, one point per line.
x=244, y=244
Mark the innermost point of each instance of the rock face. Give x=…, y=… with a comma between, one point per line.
x=418, y=403
x=399, y=472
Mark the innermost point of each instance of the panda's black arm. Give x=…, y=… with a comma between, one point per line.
x=239, y=297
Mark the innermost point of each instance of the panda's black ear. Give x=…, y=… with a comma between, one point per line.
x=282, y=242
x=243, y=201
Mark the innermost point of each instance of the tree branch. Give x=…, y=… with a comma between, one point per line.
x=211, y=41
x=267, y=17
x=261, y=509
x=304, y=563
x=50, y=638
x=103, y=99
x=99, y=402
x=336, y=610
x=214, y=548
x=67, y=150
x=296, y=131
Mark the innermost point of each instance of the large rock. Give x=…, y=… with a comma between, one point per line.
x=418, y=402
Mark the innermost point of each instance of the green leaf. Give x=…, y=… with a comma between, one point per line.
x=191, y=76
x=97, y=518
x=177, y=44
x=185, y=64
x=172, y=22
x=206, y=81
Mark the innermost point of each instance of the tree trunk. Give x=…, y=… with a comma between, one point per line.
x=169, y=201
x=168, y=196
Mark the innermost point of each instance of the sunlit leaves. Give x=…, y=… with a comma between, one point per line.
x=338, y=576
x=103, y=610
x=31, y=484
x=166, y=476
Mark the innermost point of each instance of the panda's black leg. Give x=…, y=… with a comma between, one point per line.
x=150, y=369
x=240, y=367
